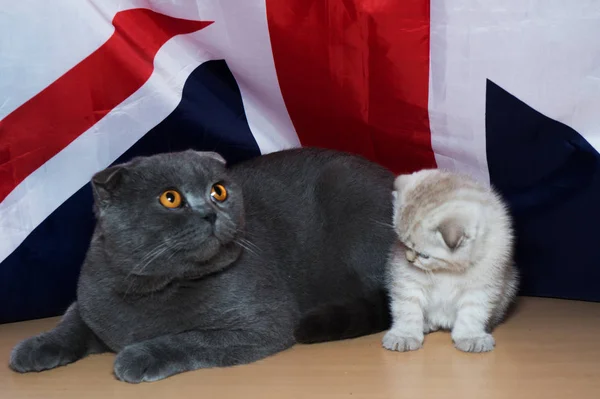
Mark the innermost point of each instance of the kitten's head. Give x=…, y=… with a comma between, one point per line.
x=437, y=218
x=161, y=215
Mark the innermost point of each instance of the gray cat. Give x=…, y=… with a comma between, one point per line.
x=193, y=264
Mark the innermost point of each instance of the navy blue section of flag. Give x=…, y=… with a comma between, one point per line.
x=550, y=176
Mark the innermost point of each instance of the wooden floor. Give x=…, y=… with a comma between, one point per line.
x=548, y=349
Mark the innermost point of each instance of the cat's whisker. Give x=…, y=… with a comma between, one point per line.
x=383, y=223
x=153, y=255
x=138, y=247
x=134, y=272
x=158, y=251
x=246, y=247
x=148, y=255
x=176, y=249
x=167, y=243
x=162, y=251
x=243, y=242
x=250, y=244
x=232, y=226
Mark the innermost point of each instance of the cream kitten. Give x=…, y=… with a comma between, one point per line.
x=452, y=267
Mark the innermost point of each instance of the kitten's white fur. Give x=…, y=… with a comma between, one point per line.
x=452, y=267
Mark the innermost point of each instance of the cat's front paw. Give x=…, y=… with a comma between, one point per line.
x=38, y=354
x=136, y=363
x=483, y=343
x=398, y=341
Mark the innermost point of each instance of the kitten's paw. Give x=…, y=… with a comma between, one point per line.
x=136, y=363
x=397, y=341
x=429, y=329
x=484, y=343
x=38, y=354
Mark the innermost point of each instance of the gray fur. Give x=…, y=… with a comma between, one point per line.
x=173, y=290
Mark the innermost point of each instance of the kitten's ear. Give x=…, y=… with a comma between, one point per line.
x=214, y=155
x=453, y=233
x=106, y=182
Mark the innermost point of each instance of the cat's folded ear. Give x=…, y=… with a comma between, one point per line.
x=214, y=155
x=105, y=182
x=452, y=232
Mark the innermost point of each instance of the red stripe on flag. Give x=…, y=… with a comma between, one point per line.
x=355, y=76
x=57, y=115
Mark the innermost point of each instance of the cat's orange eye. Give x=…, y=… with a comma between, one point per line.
x=170, y=199
x=218, y=192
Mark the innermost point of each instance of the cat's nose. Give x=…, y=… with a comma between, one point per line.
x=210, y=217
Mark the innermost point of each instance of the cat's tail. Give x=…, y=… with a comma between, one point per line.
x=333, y=322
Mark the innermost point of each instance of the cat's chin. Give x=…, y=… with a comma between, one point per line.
x=207, y=250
